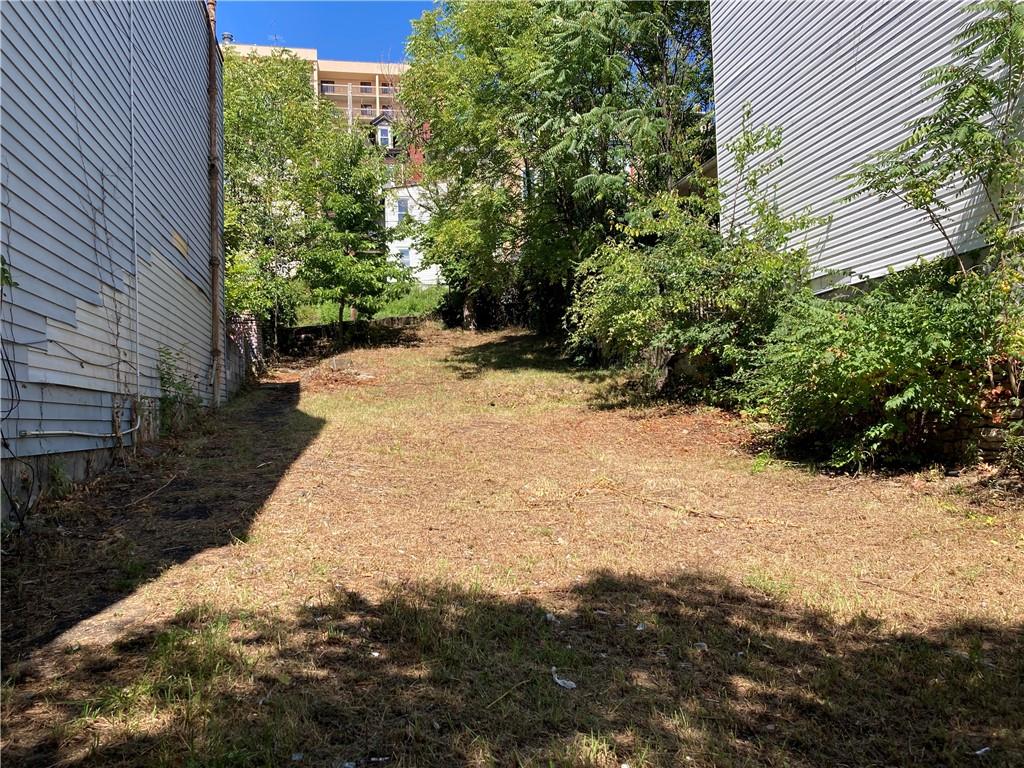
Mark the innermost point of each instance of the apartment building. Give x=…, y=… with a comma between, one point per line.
x=361, y=90
x=368, y=94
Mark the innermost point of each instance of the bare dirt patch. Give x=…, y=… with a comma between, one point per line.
x=384, y=555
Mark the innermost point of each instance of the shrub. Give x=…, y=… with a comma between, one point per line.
x=684, y=300
x=418, y=302
x=879, y=375
x=323, y=313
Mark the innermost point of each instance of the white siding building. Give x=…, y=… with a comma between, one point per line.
x=842, y=80
x=402, y=201
x=108, y=221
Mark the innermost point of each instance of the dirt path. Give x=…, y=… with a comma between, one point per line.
x=390, y=525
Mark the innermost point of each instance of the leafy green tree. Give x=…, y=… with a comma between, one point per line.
x=303, y=194
x=539, y=120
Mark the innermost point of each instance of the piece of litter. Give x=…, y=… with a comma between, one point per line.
x=983, y=750
x=375, y=654
x=700, y=646
x=296, y=757
x=641, y=627
x=562, y=681
x=552, y=618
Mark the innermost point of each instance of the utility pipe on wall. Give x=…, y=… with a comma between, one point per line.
x=216, y=191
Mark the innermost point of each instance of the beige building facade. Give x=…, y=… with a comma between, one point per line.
x=361, y=90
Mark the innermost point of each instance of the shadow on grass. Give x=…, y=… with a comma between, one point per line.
x=685, y=670
x=518, y=351
x=191, y=492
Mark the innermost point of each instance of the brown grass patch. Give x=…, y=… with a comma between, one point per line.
x=339, y=568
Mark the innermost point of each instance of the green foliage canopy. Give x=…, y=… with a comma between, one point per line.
x=303, y=193
x=537, y=120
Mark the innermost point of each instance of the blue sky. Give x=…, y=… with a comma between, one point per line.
x=357, y=31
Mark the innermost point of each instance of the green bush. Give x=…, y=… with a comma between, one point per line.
x=418, y=302
x=878, y=376
x=324, y=313
x=683, y=299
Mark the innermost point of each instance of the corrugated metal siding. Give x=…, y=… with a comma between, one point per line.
x=842, y=80
x=69, y=83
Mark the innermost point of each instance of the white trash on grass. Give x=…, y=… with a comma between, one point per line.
x=564, y=682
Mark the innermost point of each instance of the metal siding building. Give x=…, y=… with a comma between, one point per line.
x=105, y=214
x=842, y=80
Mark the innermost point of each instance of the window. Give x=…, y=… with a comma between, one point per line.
x=327, y=86
x=366, y=110
x=387, y=110
x=386, y=88
x=403, y=255
x=403, y=208
x=366, y=87
x=384, y=136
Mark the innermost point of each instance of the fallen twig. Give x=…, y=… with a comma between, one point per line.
x=148, y=495
x=520, y=684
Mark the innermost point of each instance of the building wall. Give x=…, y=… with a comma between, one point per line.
x=415, y=196
x=842, y=80
x=105, y=213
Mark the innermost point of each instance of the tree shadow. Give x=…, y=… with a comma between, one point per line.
x=518, y=352
x=190, y=492
x=682, y=670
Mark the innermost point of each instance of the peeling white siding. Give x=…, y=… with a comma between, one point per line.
x=842, y=80
x=95, y=96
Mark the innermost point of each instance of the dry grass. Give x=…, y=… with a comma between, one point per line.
x=384, y=556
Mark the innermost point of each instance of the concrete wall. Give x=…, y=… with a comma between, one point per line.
x=105, y=215
x=842, y=80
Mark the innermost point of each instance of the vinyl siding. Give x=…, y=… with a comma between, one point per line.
x=842, y=80
x=430, y=275
x=93, y=97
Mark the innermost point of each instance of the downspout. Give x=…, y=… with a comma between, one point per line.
x=135, y=221
x=216, y=244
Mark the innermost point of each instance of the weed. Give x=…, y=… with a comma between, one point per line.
x=179, y=398
x=761, y=462
x=770, y=585
x=60, y=484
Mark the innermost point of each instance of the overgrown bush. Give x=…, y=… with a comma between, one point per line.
x=882, y=373
x=683, y=301
x=421, y=300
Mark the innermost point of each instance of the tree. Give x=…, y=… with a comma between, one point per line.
x=544, y=119
x=303, y=194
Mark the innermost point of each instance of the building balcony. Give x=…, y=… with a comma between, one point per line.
x=358, y=92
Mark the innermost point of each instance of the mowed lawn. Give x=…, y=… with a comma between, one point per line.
x=460, y=550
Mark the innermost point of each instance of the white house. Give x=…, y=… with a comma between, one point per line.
x=403, y=201
x=842, y=80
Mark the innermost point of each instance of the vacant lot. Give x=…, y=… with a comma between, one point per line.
x=408, y=555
